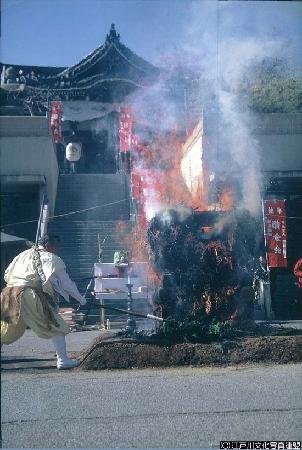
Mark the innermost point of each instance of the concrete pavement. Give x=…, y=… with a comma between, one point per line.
x=297, y=324
x=30, y=352
x=183, y=407
x=173, y=408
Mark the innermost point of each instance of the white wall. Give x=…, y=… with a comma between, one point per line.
x=25, y=156
x=192, y=165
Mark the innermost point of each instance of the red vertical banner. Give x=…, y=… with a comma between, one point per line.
x=136, y=185
x=134, y=153
x=274, y=216
x=125, y=129
x=135, y=140
x=56, y=121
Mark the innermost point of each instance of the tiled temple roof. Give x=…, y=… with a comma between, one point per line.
x=98, y=59
x=110, y=70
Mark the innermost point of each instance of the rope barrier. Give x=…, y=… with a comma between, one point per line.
x=98, y=206
x=69, y=213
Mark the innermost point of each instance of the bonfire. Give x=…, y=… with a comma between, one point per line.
x=202, y=271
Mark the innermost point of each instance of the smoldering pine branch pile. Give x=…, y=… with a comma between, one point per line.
x=202, y=272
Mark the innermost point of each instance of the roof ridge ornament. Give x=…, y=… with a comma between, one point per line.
x=112, y=36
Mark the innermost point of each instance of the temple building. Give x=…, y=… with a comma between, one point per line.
x=90, y=94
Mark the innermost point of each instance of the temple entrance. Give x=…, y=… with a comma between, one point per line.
x=99, y=147
x=96, y=158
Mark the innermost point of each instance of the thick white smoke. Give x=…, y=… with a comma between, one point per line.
x=227, y=61
x=237, y=121
x=224, y=62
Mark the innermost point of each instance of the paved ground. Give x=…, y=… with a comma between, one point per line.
x=297, y=324
x=30, y=352
x=186, y=407
x=151, y=408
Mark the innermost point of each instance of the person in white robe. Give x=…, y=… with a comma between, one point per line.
x=36, y=278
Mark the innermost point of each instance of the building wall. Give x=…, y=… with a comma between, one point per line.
x=280, y=152
x=27, y=154
x=279, y=138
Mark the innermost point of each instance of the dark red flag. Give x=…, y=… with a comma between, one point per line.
x=274, y=216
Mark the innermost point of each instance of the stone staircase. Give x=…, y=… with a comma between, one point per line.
x=79, y=232
x=105, y=195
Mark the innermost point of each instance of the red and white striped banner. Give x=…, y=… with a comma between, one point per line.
x=56, y=121
x=125, y=129
x=136, y=185
x=274, y=216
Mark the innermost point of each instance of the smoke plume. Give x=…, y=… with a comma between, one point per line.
x=216, y=68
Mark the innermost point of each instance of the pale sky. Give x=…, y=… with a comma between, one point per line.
x=62, y=32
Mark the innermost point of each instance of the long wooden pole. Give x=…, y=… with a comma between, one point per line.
x=123, y=311
x=39, y=222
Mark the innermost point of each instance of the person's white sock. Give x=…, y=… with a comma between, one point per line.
x=63, y=362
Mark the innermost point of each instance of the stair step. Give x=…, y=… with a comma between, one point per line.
x=108, y=196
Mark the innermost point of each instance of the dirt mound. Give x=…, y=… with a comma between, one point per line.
x=116, y=353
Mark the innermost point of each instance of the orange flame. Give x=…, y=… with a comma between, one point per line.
x=227, y=199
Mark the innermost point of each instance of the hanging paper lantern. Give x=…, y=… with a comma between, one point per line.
x=73, y=151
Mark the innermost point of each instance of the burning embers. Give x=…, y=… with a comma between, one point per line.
x=171, y=170
x=202, y=271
